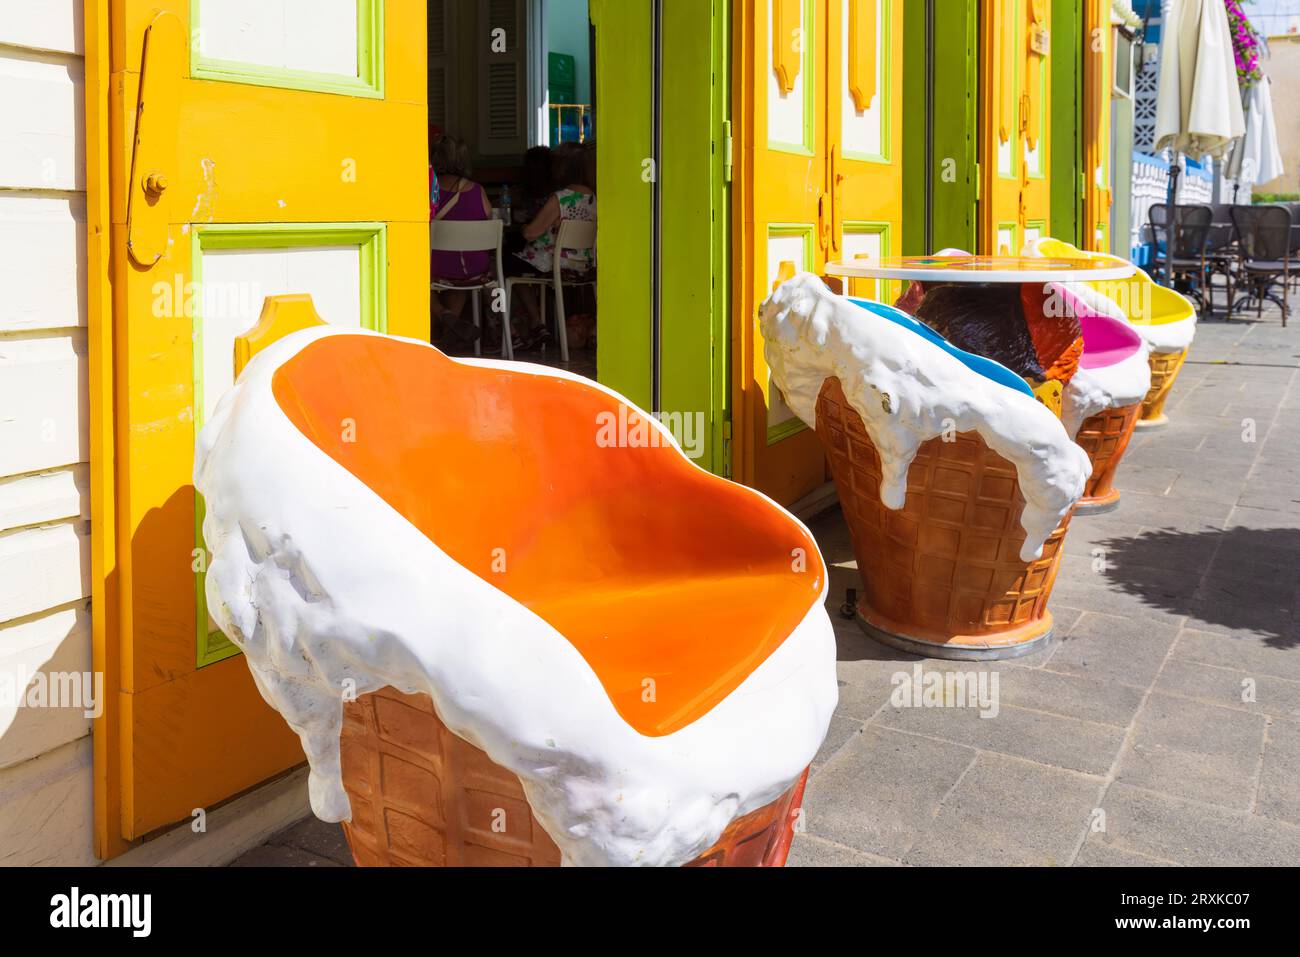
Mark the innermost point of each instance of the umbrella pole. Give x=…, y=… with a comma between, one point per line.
x=1175, y=170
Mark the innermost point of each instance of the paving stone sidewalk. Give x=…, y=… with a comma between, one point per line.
x=1162, y=727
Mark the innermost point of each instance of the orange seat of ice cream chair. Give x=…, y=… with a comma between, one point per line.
x=672, y=583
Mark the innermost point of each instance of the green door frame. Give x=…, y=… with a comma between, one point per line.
x=694, y=263
x=940, y=39
x=1067, y=120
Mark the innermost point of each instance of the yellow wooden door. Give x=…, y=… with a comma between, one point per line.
x=277, y=149
x=782, y=209
x=865, y=120
x=1015, y=107
x=1097, y=79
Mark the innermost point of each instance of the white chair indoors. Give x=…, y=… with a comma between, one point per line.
x=573, y=234
x=466, y=237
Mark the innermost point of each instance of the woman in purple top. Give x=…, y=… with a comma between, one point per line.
x=460, y=199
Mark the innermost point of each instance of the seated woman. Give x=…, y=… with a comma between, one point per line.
x=574, y=199
x=537, y=181
x=460, y=199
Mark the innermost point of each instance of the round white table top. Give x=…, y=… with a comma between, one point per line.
x=983, y=269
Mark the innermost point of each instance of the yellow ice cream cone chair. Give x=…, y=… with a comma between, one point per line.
x=1163, y=317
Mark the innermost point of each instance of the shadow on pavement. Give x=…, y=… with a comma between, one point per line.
x=1251, y=582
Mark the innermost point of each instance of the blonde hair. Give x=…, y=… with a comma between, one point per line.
x=450, y=157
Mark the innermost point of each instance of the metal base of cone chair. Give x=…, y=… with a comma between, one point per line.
x=952, y=651
x=1151, y=425
x=1099, y=505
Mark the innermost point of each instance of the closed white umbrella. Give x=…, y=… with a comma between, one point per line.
x=1257, y=158
x=1198, y=104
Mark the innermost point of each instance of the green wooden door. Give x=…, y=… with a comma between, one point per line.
x=692, y=263
x=941, y=84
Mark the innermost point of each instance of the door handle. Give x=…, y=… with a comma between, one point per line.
x=153, y=156
x=823, y=224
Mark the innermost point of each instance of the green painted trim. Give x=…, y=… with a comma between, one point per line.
x=806, y=232
x=621, y=77
x=779, y=433
x=1014, y=229
x=696, y=229
x=886, y=39
x=915, y=66
x=369, y=81
x=1040, y=225
x=1066, y=157
x=955, y=130
x=886, y=289
x=372, y=240
x=809, y=146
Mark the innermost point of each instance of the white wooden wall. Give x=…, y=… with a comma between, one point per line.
x=45, y=775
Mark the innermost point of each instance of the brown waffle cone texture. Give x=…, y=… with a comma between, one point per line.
x=1104, y=437
x=1165, y=367
x=946, y=568
x=423, y=797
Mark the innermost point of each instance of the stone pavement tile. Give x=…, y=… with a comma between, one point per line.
x=1255, y=653
x=1187, y=749
x=1215, y=487
x=842, y=729
x=1095, y=854
x=281, y=855
x=1008, y=812
x=1277, y=496
x=1279, y=780
x=1236, y=609
x=315, y=836
x=1254, y=570
x=1131, y=598
x=1153, y=509
x=1186, y=832
x=1135, y=475
x=1072, y=696
x=865, y=669
x=1112, y=648
x=1047, y=738
x=810, y=851
x=881, y=789
x=1230, y=688
x=1266, y=519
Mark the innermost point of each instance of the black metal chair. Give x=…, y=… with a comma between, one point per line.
x=1184, y=241
x=1221, y=254
x=1264, y=240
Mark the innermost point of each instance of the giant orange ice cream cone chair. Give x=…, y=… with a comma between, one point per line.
x=1163, y=317
x=956, y=480
x=511, y=622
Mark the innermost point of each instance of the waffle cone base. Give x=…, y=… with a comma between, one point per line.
x=1105, y=437
x=423, y=797
x=1165, y=367
x=943, y=575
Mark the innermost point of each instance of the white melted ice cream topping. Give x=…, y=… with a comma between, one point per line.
x=327, y=588
x=909, y=391
x=1108, y=387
